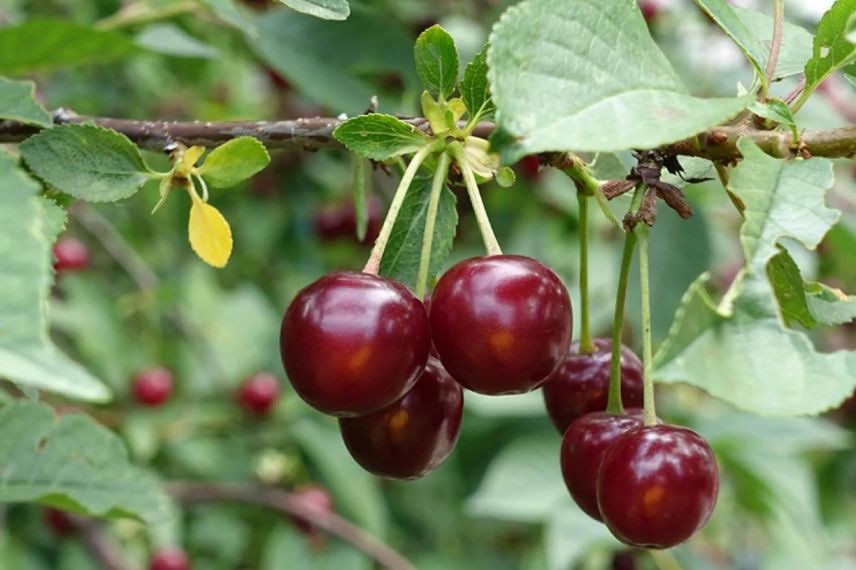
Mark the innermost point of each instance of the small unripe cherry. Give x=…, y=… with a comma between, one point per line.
x=170, y=558
x=312, y=497
x=259, y=393
x=70, y=254
x=153, y=386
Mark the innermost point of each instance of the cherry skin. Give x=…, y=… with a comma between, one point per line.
x=259, y=393
x=353, y=343
x=582, y=451
x=312, y=497
x=530, y=167
x=501, y=324
x=171, y=558
x=581, y=384
x=650, y=9
x=59, y=522
x=152, y=387
x=413, y=436
x=657, y=486
x=70, y=254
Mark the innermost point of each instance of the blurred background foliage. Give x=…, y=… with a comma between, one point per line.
x=788, y=498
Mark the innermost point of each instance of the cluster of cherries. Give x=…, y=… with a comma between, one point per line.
x=365, y=349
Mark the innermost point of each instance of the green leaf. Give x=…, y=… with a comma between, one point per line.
x=233, y=14
x=736, y=28
x=72, y=462
x=234, y=161
x=787, y=283
x=776, y=110
x=18, y=103
x=328, y=61
x=27, y=356
x=379, y=137
x=287, y=548
x=796, y=42
x=829, y=306
x=324, y=9
x=587, y=534
x=89, y=162
x=169, y=39
x=623, y=92
x=475, y=88
x=741, y=351
x=404, y=249
x=832, y=48
x=39, y=45
x=437, y=61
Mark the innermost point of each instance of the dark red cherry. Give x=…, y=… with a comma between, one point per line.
x=259, y=393
x=59, y=522
x=353, y=343
x=657, y=486
x=581, y=384
x=414, y=435
x=152, y=387
x=650, y=9
x=583, y=448
x=337, y=221
x=312, y=497
x=501, y=324
x=70, y=254
x=171, y=558
x=624, y=561
x=530, y=167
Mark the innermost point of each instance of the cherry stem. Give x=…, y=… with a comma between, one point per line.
x=373, y=264
x=430, y=221
x=490, y=243
x=650, y=412
x=586, y=343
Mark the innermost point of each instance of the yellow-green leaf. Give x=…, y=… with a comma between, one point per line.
x=210, y=234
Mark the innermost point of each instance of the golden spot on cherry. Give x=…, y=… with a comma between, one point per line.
x=360, y=359
x=652, y=498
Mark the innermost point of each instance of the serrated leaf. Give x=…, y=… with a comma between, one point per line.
x=27, y=356
x=776, y=110
x=89, y=162
x=795, y=50
x=437, y=61
x=404, y=248
x=832, y=49
x=324, y=9
x=72, y=462
x=39, y=44
x=475, y=88
x=787, y=283
x=234, y=161
x=379, y=137
x=18, y=103
x=741, y=351
x=209, y=233
x=829, y=306
x=169, y=39
x=749, y=43
x=540, y=52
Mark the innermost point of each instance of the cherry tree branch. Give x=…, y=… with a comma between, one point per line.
x=101, y=546
x=195, y=492
x=716, y=143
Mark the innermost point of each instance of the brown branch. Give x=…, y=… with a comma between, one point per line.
x=717, y=143
x=100, y=545
x=193, y=492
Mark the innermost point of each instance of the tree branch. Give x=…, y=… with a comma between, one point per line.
x=100, y=545
x=716, y=143
x=193, y=492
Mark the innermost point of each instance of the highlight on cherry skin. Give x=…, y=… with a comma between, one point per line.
x=413, y=436
x=501, y=324
x=259, y=393
x=152, y=387
x=581, y=383
x=657, y=486
x=353, y=343
x=70, y=254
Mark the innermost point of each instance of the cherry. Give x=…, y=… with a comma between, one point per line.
x=650, y=9
x=312, y=497
x=583, y=447
x=153, y=386
x=657, y=486
x=170, y=558
x=501, y=324
x=353, y=343
x=70, y=254
x=624, y=561
x=581, y=384
x=530, y=167
x=59, y=522
x=411, y=437
x=259, y=393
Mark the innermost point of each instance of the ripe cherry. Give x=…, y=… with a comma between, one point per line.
x=170, y=558
x=70, y=254
x=650, y=9
x=153, y=386
x=59, y=522
x=315, y=498
x=583, y=448
x=581, y=384
x=411, y=437
x=353, y=343
x=259, y=393
x=530, y=167
x=501, y=324
x=657, y=486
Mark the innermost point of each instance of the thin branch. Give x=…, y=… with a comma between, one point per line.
x=100, y=545
x=193, y=492
x=776, y=45
x=716, y=143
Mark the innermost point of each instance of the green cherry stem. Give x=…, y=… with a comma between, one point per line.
x=490, y=242
x=430, y=221
x=650, y=413
x=373, y=264
x=586, y=343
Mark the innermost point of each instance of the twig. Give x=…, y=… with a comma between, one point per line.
x=193, y=492
x=844, y=105
x=99, y=544
x=776, y=45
